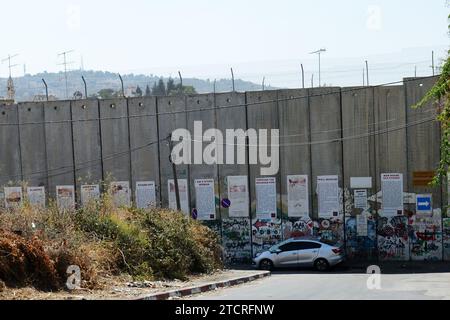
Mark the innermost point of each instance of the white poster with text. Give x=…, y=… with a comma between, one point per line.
x=121, y=194
x=238, y=196
x=145, y=194
x=392, y=194
x=13, y=197
x=328, y=196
x=36, y=196
x=297, y=196
x=266, y=198
x=65, y=197
x=183, y=192
x=205, y=199
x=89, y=193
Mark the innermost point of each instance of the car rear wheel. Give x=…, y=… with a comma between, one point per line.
x=321, y=265
x=266, y=264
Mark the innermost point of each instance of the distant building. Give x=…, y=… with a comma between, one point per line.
x=43, y=97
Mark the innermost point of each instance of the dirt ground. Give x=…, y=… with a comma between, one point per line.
x=119, y=288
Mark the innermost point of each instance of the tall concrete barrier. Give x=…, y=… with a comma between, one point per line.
x=32, y=144
x=171, y=116
x=262, y=113
x=326, y=155
x=58, y=144
x=295, y=156
x=144, y=141
x=10, y=167
x=236, y=231
x=115, y=139
x=86, y=142
x=359, y=161
x=423, y=155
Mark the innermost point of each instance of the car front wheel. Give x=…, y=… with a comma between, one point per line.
x=266, y=264
x=321, y=265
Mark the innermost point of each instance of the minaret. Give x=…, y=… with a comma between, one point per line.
x=11, y=92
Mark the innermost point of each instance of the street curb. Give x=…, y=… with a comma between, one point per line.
x=203, y=288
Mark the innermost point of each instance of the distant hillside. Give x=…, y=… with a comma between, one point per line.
x=29, y=86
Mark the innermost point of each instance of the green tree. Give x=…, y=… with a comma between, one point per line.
x=138, y=92
x=107, y=93
x=170, y=86
x=159, y=89
x=148, y=92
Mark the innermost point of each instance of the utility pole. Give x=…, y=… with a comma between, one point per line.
x=10, y=66
x=65, y=63
x=174, y=172
x=318, y=52
x=367, y=72
x=303, y=76
x=232, y=78
x=432, y=61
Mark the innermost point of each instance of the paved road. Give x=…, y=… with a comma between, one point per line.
x=301, y=285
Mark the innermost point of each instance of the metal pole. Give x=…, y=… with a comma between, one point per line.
x=214, y=86
x=364, y=78
x=432, y=61
x=121, y=81
x=367, y=72
x=232, y=78
x=415, y=71
x=181, y=82
x=319, y=69
x=263, y=83
x=174, y=172
x=85, y=88
x=46, y=88
x=303, y=76
x=312, y=80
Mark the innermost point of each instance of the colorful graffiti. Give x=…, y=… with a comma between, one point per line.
x=330, y=230
x=236, y=240
x=265, y=233
x=393, y=243
x=360, y=247
x=446, y=238
x=297, y=227
x=426, y=237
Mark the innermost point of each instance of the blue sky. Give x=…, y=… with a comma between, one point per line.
x=204, y=38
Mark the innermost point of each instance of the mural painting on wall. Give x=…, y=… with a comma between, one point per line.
x=446, y=235
x=297, y=227
x=236, y=239
x=426, y=236
x=358, y=245
x=393, y=241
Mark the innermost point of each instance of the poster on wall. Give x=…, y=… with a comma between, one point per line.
x=120, y=192
x=89, y=192
x=360, y=198
x=328, y=196
x=297, y=196
x=361, y=224
x=238, y=196
x=205, y=199
x=13, y=197
x=266, y=198
x=65, y=197
x=392, y=194
x=36, y=196
x=145, y=194
x=183, y=191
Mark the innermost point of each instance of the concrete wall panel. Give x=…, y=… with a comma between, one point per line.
x=10, y=168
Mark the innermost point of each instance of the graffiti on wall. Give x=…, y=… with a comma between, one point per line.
x=357, y=246
x=236, y=240
x=446, y=236
x=297, y=227
x=265, y=233
x=426, y=236
x=393, y=243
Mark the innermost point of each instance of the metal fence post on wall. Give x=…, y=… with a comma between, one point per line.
x=85, y=88
x=46, y=88
x=181, y=82
x=121, y=82
x=232, y=79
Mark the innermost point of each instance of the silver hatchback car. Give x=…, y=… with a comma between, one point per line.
x=300, y=252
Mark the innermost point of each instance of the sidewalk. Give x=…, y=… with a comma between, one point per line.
x=232, y=278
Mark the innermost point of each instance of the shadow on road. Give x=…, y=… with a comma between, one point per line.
x=391, y=267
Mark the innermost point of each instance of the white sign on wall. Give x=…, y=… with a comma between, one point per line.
x=65, y=197
x=205, y=199
x=183, y=192
x=145, y=194
x=36, y=196
x=266, y=198
x=13, y=197
x=89, y=193
x=238, y=196
x=121, y=193
x=297, y=195
x=328, y=196
x=392, y=194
